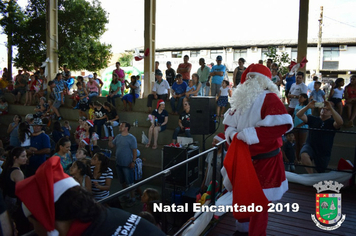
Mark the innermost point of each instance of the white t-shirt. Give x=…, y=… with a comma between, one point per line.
x=27, y=141
x=138, y=88
x=224, y=91
x=161, y=88
x=338, y=93
x=297, y=89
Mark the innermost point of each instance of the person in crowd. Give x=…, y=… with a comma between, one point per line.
x=350, y=99
x=20, y=87
x=121, y=76
x=198, y=85
x=185, y=68
x=275, y=77
x=170, y=73
x=217, y=73
x=183, y=123
x=99, y=82
x=157, y=66
x=52, y=112
x=69, y=81
x=41, y=108
x=92, y=88
x=134, y=93
x=57, y=92
x=100, y=117
x=319, y=143
x=88, y=137
x=317, y=94
x=82, y=104
x=178, y=93
x=30, y=90
x=4, y=106
x=204, y=77
x=290, y=79
x=269, y=63
x=72, y=211
x=80, y=129
x=29, y=118
x=112, y=119
x=44, y=83
x=115, y=89
x=63, y=151
x=236, y=78
x=295, y=90
x=59, y=132
x=102, y=176
x=24, y=134
x=190, y=90
x=60, y=83
x=91, y=110
x=11, y=175
x=160, y=116
x=288, y=151
x=13, y=131
x=126, y=154
x=223, y=97
x=300, y=134
x=39, y=149
x=336, y=94
x=161, y=90
x=81, y=172
x=82, y=155
x=149, y=195
x=311, y=85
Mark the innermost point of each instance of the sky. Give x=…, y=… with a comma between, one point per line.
x=196, y=21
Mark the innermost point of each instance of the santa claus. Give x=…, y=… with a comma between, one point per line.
x=253, y=167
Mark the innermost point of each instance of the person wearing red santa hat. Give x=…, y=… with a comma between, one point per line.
x=56, y=205
x=88, y=137
x=160, y=117
x=254, y=125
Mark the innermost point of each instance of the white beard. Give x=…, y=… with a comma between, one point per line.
x=245, y=94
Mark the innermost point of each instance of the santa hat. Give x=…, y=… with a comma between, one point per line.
x=86, y=141
x=221, y=137
x=39, y=192
x=256, y=69
x=159, y=103
x=90, y=122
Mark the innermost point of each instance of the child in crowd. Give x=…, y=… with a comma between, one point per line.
x=3, y=106
x=91, y=110
x=336, y=94
x=41, y=108
x=288, y=151
x=149, y=195
x=58, y=96
x=134, y=93
x=317, y=94
x=82, y=95
x=190, y=89
x=81, y=172
x=222, y=97
x=275, y=77
x=301, y=134
x=59, y=132
x=67, y=125
x=81, y=154
x=79, y=129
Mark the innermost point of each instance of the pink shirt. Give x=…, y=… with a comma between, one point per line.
x=92, y=87
x=121, y=74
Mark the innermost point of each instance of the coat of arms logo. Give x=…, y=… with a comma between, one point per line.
x=328, y=205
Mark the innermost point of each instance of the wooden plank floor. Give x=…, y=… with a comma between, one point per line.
x=297, y=223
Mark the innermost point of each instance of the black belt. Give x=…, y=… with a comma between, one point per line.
x=266, y=155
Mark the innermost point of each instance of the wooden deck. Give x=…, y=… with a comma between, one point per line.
x=299, y=223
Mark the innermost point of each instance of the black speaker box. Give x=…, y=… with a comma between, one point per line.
x=202, y=115
x=185, y=175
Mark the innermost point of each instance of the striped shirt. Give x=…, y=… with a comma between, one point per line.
x=100, y=194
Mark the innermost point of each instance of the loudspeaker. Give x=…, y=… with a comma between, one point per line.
x=202, y=115
x=185, y=175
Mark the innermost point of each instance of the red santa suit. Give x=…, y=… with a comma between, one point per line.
x=260, y=128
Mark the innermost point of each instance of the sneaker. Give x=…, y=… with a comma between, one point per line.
x=105, y=138
x=59, y=118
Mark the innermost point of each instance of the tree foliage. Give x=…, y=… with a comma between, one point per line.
x=282, y=59
x=126, y=59
x=80, y=25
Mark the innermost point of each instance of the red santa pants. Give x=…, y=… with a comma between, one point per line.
x=258, y=224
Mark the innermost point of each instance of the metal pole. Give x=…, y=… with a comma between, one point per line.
x=319, y=39
x=215, y=159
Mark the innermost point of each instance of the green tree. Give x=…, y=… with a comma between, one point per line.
x=12, y=18
x=125, y=59
x=282, y=59
x=80, y=25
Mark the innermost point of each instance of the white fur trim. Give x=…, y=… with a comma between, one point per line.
x=242, y=227
x=230, y=133
x=63, y=185
x=84, y=142
x=53, y=233
x=249, y=136
x=218, y=138
x=274, y=120
x=274, y=194
x=257, y=73
x=226, y=180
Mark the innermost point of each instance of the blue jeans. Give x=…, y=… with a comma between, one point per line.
x=125, y=174
x=112, y=99
x=204, y=90
x=110, y=128
x=99, y=124
x=178, y=130
x=91, y=95
x=179, y=105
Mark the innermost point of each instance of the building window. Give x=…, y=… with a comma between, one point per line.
x=194, y=53
x=160, y=55
x=215, y=53
x=177, y=54
x=294, y=54
x=240, y=53
x=331, y=58
x=263, y=54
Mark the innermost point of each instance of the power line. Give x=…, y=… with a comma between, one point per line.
x=341, y=22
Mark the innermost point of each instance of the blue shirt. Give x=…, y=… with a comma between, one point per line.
x=60, y=84
x=179, y=88
x=124, y=149
x=39, y=142
x=290, y=79
x=298, y=121
x=318, y=95
x=217, y=79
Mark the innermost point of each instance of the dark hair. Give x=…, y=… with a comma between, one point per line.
x=80, y=78
x=85, y=152
x=78, y=84
x=91, y=103
x=186, y=56
x=127, y=125
x=152, y=194
x=315, y=78
x=57, y=75
x=57, y=126
x=61, y=142
x=132, y=91
x=338, y=81
x=77, y=204
x=179, y=76
x=300, y=73
x=84, y=168
x=317, y=82
x=108, y=104
x=19, y=116
x=3, y=99
x=304, y=95
x=24, y=129
x=104, y=161
x=226, y=82
x=242, y=59
x=118, y=63
x=97, y=103
x=50, y=83
x=147, y=216
x=9, y=162
x=269, y=59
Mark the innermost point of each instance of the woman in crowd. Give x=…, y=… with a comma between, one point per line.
x=134, y=93
x=102, y=176
x=336, y=94
x=59, y=132
x=112, y=119
x=63, y=151
x=160, y=117
x=82, y=95
x=183, y=122
x=350, y=98
x=88, y=137
x=24, y=134
x=121, y=76
x=92, y=87
x=115, y=89
x=100, y=117
x=81, y=172
x=13, y=131
x=236, y=78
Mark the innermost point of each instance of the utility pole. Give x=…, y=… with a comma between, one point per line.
x=319, y=40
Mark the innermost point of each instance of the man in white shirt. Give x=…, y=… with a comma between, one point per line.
x=295, y=90
x=160, y=90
